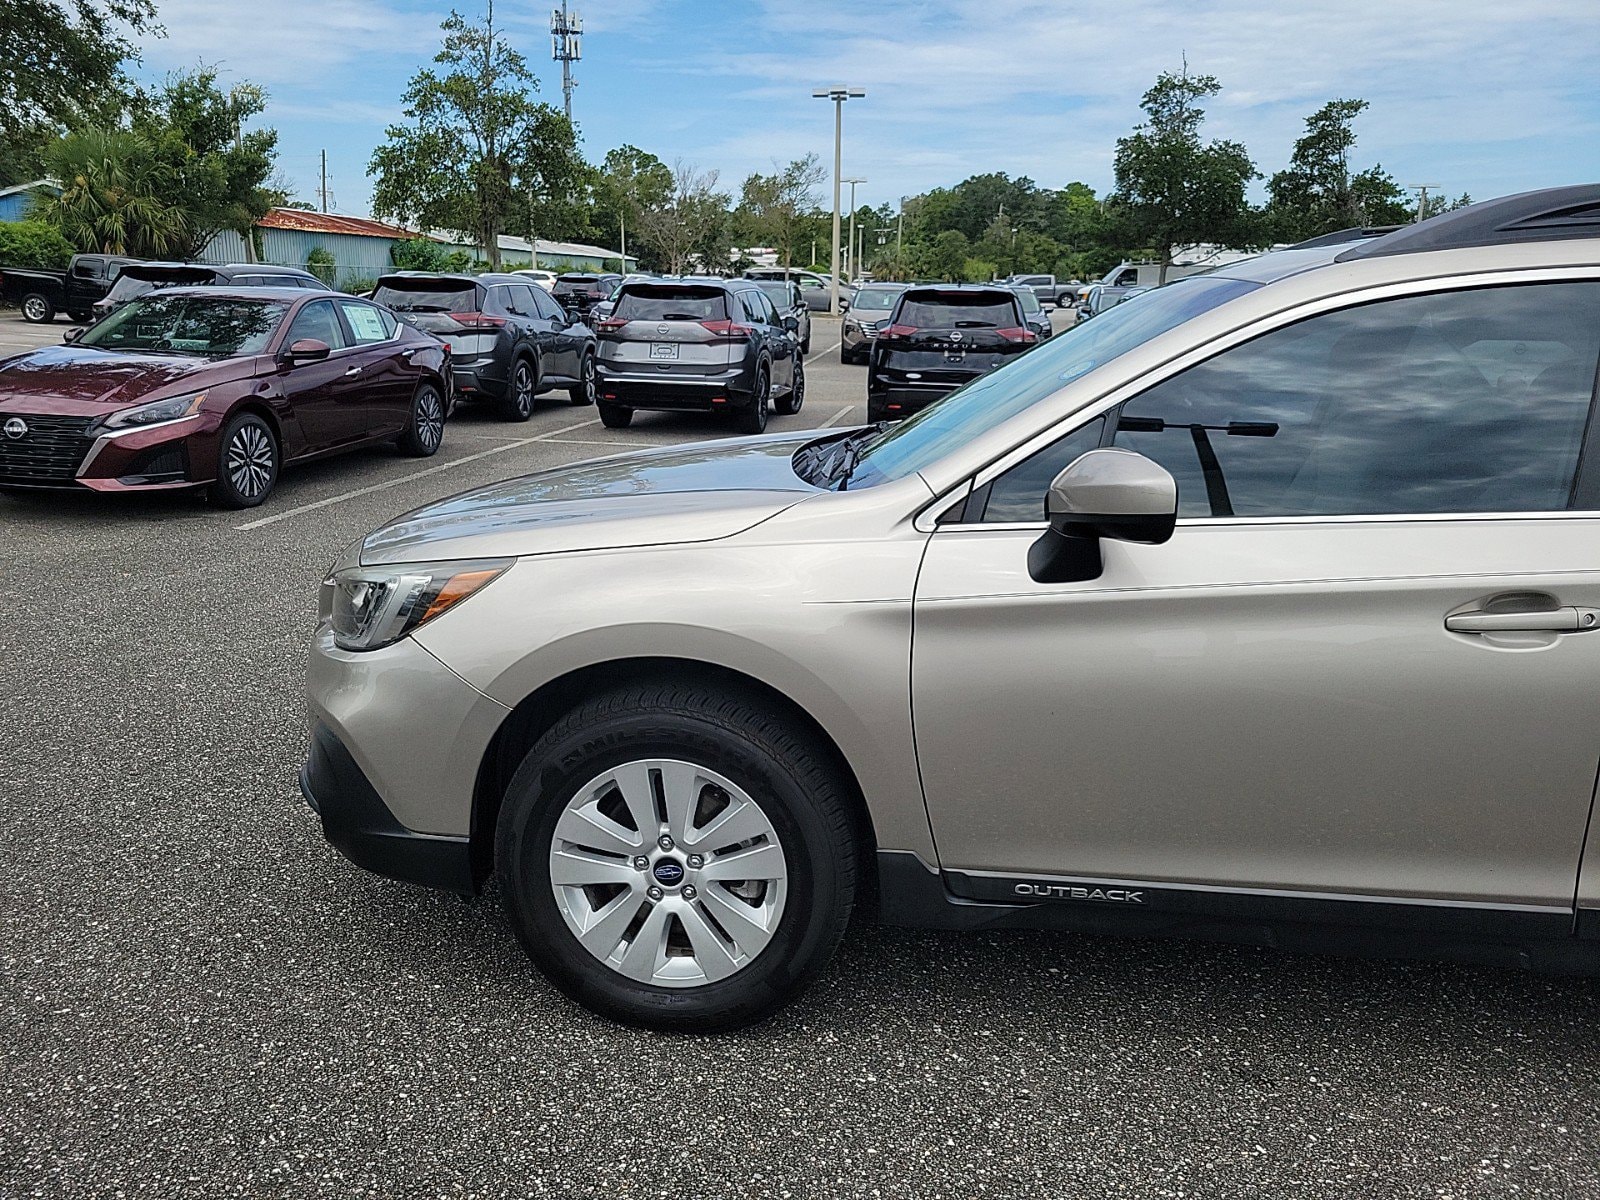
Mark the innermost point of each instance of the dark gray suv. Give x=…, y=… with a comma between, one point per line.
x=700, y=345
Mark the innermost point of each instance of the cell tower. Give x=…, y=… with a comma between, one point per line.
x=566, y=33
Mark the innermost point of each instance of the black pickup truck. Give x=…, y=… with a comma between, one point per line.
x=42, y=294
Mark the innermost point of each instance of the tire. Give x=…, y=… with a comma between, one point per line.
x=83, y=317
x=248, y=460
x=615, y=416
x=770, y=783
x=583, y=394
x=805, y=346
x=875, y=412
x=36, y=307
x=425, y=428
x=796, y=397
x=754, y=418
x=521, y=388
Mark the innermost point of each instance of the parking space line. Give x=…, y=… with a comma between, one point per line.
x=389, y=483
x=608, y=442
x=838, y=416
x=829, y=350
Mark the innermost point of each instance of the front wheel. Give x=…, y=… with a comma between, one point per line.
x=676, y=857
x=36, y=307
x=791, y=403
x=754, y=418
x=425, y=430
x=584, y=392
x=247, y=463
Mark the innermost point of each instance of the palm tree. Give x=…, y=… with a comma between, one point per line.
x=109, y=200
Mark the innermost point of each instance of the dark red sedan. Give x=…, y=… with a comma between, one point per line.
x=218, y=388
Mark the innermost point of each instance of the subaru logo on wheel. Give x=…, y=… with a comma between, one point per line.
x=15, y=428
x=668, y=873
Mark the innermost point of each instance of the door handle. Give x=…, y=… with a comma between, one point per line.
x=1550, y=620
x=353, y=371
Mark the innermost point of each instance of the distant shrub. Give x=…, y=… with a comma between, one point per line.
x=321, y=263
x=425, y=254
x=357, y=286
x=33, y=246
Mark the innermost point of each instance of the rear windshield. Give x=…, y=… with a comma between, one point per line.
x=128, y=286
x=958, y=310
x=428, y=295
x=876, y=298
x=671, y=304
x=575, y=283
x=202, y=326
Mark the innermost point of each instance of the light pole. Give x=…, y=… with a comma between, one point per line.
x=850, y=264
x=838, y=95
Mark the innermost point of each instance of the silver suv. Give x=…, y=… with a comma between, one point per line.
x=1257, y=609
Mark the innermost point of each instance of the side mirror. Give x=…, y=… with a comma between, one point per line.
x=72, y=334
x=307, y=350
x=1108, y=493
x=792, y=323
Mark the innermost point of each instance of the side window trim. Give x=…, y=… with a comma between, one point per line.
x=1588, y=480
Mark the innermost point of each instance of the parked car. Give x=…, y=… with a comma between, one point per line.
x=578, y=293
x=1101, y=298
x=1033, y=312
x=1063, y=293
x=42, y=294
x=602, y=308
x=545, y=279
x=509, y=339
x=141, y=278
x=814, y=288
x=938, y=339
x=868, y=314
x=1261, y=609
x=707, y=345
x=1125, y=276
x=788, y=300
x=217, y=388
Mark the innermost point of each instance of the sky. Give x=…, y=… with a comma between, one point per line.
x=1480, y=96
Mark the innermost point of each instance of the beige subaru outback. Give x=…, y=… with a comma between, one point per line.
x=1259, y=607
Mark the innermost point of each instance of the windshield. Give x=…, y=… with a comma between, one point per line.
x=433, y=296
x=876, y=298
x=202, y=326
x=990, y=399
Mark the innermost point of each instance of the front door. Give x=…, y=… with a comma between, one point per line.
x=1302, y=691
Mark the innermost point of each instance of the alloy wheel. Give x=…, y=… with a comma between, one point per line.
x=251, y=461
x=588, y=379
x=668, y=873
x=35, y=309
x=522, y=387
x=430, y=420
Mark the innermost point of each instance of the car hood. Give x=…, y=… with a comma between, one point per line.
x=694, y=493
x=81, y=381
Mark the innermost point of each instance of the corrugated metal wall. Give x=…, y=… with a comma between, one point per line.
x=15, y=207
x=355, y=258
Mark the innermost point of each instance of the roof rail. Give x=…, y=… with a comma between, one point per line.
x=1338, y=237
x=1547, y=215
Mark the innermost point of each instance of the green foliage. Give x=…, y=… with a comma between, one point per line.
x=425, y=254
x=114, y=196
x=978, y=270
x=356, y=287
x=209, y=167
x=628, y=181
x=946, y=258
x=691, y=224
x=321, y=263
x=774, y=207
x=477, y=153
x=33, y=245
x=1317, y=194
x=61, y=65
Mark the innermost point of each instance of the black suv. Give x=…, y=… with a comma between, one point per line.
x=705, y=345
x=509, y=340
x=578, y=293
x=937, y=339
x=786, y=298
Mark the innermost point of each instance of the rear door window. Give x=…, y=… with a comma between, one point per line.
x=667, y=303
x=368, y=324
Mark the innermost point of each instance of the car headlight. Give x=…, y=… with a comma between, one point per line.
x=372, y=607
x=157, y=411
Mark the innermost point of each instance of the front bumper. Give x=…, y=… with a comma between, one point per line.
x=397, y=739
x=69, y=453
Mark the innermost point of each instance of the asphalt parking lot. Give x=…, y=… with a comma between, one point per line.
x=198, y=997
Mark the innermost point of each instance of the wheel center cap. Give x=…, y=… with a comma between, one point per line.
x=668, y=872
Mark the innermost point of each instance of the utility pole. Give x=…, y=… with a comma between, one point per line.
x=323, y=190
x=566, y=33
x=851, y=265
x=1422, y=203
x=838, y=95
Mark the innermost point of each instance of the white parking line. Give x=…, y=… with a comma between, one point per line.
x=838, y=416
x=829, y=350
x=389, y=483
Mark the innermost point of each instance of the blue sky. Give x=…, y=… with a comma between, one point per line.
x=1482, y=96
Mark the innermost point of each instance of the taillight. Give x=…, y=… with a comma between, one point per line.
x=897, y=331
x=477, y=320
x=1014, y=334
x=610, y=324
x=729, y=330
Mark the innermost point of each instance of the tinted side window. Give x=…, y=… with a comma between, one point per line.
x=1018, y=495
x=521, y=296
x=1469, y=401
x=545, y=306
x=317, y=320
x=89, y=268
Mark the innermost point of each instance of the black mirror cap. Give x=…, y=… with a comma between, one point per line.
x=73, y=334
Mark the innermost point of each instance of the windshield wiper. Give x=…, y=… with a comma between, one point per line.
x=975, y=325
x=854, y=446
x=419, y=308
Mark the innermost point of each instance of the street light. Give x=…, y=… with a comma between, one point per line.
x=851, y=267
x=838, y=95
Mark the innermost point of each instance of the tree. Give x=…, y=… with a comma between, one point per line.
x=778, y=204
x=1171, y=190
x=113, y=195
x=210, y=168
x=33, y=245
x=425, y=254
x=947, y=257
x=629, y=180
x=61, y=65
x=1317, y=193
x=690, y=222
x=478, y=154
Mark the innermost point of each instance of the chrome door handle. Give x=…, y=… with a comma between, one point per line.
x=1550, y=620
x=353, y=371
